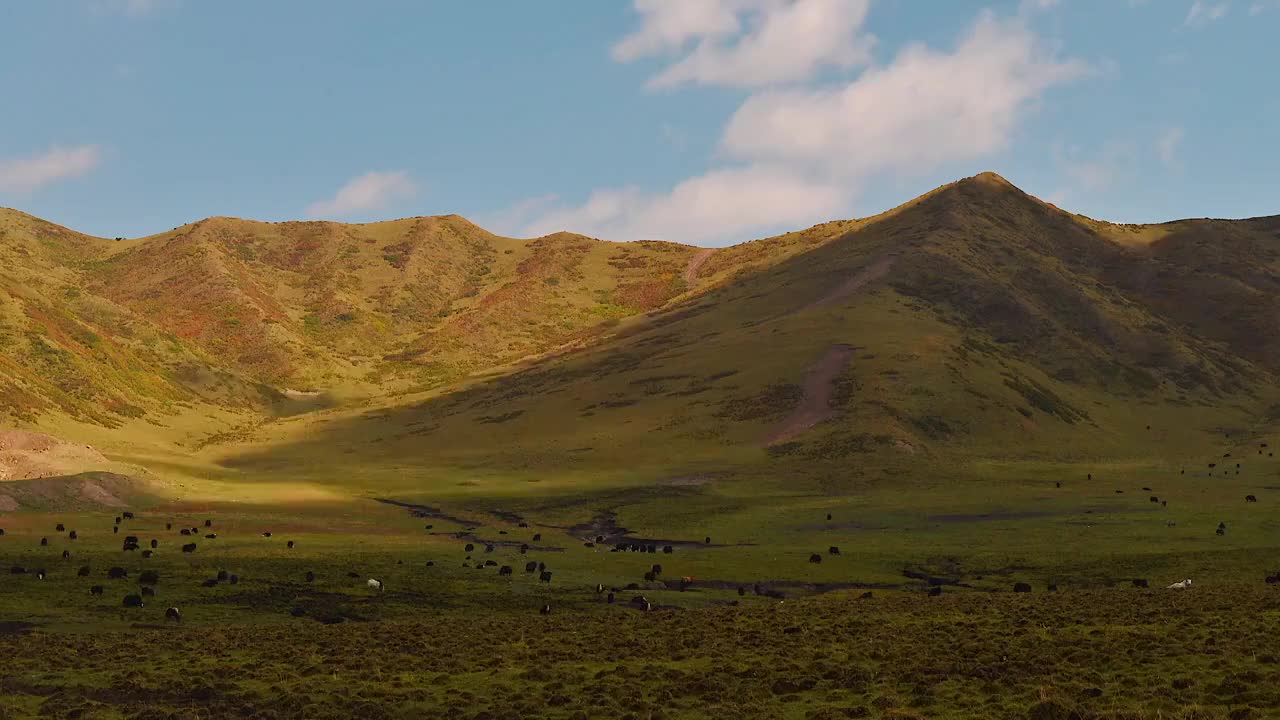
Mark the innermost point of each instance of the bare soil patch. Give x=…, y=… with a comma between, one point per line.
x=695, y=264
x=815, y=403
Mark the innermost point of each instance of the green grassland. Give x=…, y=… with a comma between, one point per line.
x=969, y=391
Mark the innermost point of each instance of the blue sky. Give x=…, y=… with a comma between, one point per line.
x=704, y=121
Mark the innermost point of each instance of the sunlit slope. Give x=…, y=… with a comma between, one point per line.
x=974, y=322
x=407, y=302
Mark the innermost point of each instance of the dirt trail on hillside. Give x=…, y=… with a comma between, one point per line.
x=695, y=263
x=873, y=272
x=815, y=404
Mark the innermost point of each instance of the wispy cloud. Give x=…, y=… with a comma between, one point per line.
x=134, y=8
x=1261, y=6
x=1099, y=170
x=1168, y=145
x=1206, y=11
x=370, y=191
x=24, y=175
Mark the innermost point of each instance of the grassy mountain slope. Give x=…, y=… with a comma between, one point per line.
x=976, y=322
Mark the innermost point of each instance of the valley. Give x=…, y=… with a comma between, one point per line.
x=973, y=390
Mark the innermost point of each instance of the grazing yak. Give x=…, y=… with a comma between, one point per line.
x=189, y=548
x=155, y=544
x=234, y=579
x=537, y=537
x=266, y=534
x=96, y=590
x=866, y=595
x=223, y=575
x=545, y=576
x=84, y=571
x=610, y=598
x=311, y=577
x=73, y=535
x=211, y=536
x=185, y=531
x=504, y=571
x=1053, y=587
x=1273, y=579
x=530, y=566
x=546, y=610
x=211, y=582
x=1021, y=588
x=115, y=530
x=117, y=573
x=469, y=547
x=44, y=542
x=168, y=526
x=1180, y=585
x=815, y=558
x=60, y=527
x=66, y=554
x=289, y=544
x=208, y=523
x=935, y=591
x=1250, y=499
x=375, y=585
x=1140, y=583
x=146, y=554
x=132, y=601
x=833, y=550
x=667, y=549
x=173, y=614
x=656, y=569
x=149, y=577
x=40, y=574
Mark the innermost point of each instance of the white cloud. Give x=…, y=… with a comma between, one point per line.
x=1168, y=144
x=1205, y=11
x=668, y=26
x=748, y=43
x=1261, y=6
x=715, y=206
x=923, y=110
x=515, y=219
x=1099, y=171
x=23, y=175
x=370, y=191
x=798, y=156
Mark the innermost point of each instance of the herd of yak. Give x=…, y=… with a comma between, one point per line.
x=149, y=578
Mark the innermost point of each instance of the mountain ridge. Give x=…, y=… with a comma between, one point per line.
x=981, y=316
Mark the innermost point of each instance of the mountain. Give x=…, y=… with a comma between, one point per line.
x=975, y=321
